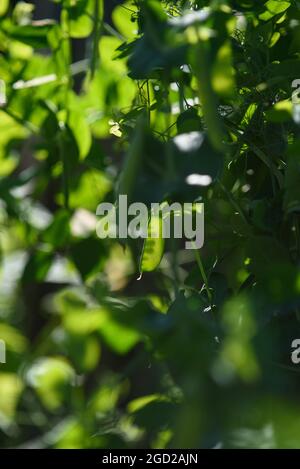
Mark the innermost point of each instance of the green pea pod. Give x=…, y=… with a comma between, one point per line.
x=153, y=246
x=202, y=64
x=133, y=160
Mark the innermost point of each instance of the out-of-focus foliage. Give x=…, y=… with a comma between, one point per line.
x=197, y=352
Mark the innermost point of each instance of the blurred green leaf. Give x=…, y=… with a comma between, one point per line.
x=52, y=378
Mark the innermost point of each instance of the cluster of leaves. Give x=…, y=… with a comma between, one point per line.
x=174, y=101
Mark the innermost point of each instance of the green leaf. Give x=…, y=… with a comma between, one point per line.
x=87, y=255
x=155, y=416
x=57, y=233
x=274, y=7
x=90, y=190
x=11, y=388
x=121, y=338
x=80, y=18
x=4, y=7
x=13, y=338
x=81, y=131
x=52, y=378
x=125, y=19
x=157, y=49
x=188, y=121
x=37, y=266
x=281, y=112
x=84, y=351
